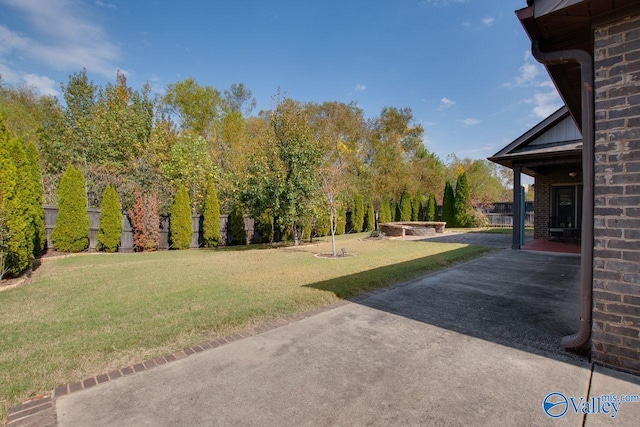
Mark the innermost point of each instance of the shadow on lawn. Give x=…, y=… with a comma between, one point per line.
x=512, y=298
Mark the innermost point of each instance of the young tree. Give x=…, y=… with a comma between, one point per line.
x=462, y=203
x=357, y=213
x=431, y=213
x=211, y=213
x=110, y=221
x=448, y=200
x=181, y=222
x=405, y=207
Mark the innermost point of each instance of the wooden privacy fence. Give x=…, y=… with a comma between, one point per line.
x=126, y=238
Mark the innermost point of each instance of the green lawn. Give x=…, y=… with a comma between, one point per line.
x=87, y=314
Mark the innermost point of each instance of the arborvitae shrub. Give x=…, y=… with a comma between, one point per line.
x=263, y=225
x=37, y=199
x=322, y=224
x=211, y=212
x=71, y=232
x=431, y=213
x=14, y=252
x=145, y=219
x=369, y=218
x=357, y=213
x=416, y=207
x=405, y=207
x=384, y=214
x=341, y=220
x=463, y=210
x=110, y=221
x=181, y=221
x=394, y=208
x=448, y=200
x=18, y=228
x=237, y=233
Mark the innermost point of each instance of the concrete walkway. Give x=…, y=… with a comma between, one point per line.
x=473, y=345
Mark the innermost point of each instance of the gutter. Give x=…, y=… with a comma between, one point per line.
x=581, y=338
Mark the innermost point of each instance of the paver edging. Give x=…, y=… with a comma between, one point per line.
x=40, y=411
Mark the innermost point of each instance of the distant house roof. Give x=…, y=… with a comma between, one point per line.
x=554, y=140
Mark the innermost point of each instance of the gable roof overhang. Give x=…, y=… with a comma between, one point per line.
x=540, y=158
x=560, y=25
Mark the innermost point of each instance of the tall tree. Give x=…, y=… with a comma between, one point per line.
x=190, y=165
x=198, y=109
x=395, y=141
x=239, y=99
x=448, y=200
x=284, y=179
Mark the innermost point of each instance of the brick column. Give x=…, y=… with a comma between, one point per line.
x=616, y=285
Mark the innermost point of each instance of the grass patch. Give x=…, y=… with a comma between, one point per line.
x=88, y=314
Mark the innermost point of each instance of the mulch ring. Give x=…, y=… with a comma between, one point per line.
x=330, y=256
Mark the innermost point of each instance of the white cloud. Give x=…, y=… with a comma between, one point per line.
x=63, y=36
x=441, y=2
x=103, y=4
x=529, y=72
x=446, y=103
x=545, y=103
x=488, y=21
x=8, y=74
x=471, y=121
x=42, y=84
x=360, y=87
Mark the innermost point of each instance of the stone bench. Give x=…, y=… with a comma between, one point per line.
x=414, y=228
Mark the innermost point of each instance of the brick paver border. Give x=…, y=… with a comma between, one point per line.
x=40, y=411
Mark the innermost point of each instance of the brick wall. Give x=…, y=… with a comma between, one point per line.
x=616, y=284
x=542, y=197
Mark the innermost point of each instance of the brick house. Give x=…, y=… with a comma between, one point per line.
x=591, y=50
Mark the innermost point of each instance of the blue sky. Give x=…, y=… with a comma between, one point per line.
x=462, y=66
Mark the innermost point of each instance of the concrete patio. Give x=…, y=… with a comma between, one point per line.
x=473, y=345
